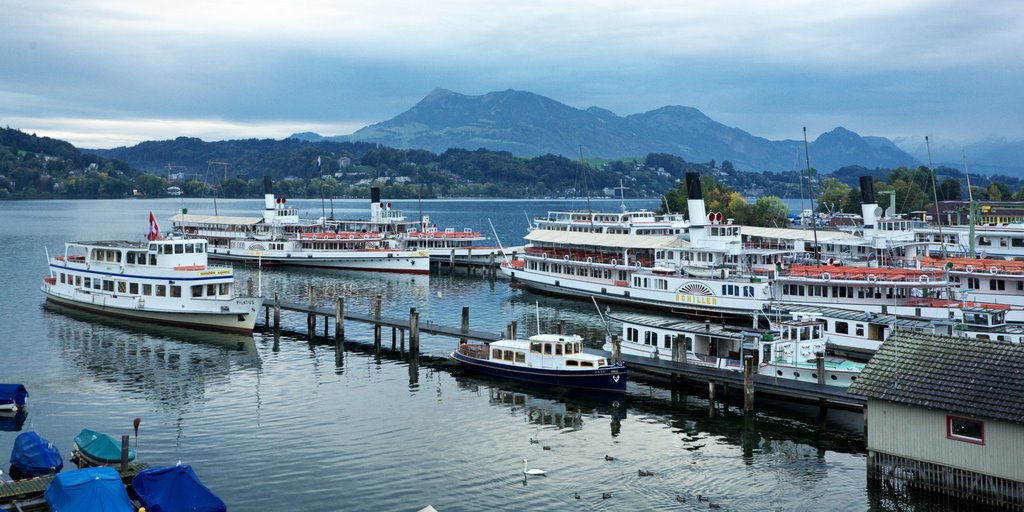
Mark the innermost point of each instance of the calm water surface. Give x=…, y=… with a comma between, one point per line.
x=290, y=423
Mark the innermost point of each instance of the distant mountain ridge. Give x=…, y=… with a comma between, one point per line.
x=528, y=124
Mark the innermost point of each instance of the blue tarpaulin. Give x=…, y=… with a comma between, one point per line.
x=175, y=488
x=13, y=394
x=88, y=490
x=100, y=447
x=34, y=456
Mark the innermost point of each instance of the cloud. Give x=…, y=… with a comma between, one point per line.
x=259, y=65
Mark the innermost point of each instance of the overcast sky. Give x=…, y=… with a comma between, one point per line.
x=106, y=73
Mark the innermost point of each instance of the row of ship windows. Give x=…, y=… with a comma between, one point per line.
x=845, y=292
x=156, y=290
x=498, y=354
x=574, y=270
x=651, y=338
x=993, y=284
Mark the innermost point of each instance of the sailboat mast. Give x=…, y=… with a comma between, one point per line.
x=935, y=197
x=810, y=194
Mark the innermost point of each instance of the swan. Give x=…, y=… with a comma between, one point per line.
x=532, y=471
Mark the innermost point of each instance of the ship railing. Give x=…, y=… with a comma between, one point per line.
x=475, y=350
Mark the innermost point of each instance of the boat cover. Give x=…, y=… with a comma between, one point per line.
x=35, y=456
x=13, y=394
x=101, y=447
x=98, y=489
x=175, y=488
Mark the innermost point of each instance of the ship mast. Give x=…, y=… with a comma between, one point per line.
x=810, y=194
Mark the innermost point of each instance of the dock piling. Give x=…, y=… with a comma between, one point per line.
x=376, y=325
x=124, y=453
x=679, y=349
x=616, y=349
x=748, y=384
x=311, y=317
x=465, y=323
x=339, y=319
x=414, y=330
x=277, y=310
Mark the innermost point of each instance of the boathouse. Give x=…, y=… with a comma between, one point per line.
x=946, y=415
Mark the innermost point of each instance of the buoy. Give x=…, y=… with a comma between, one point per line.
x=923, y=278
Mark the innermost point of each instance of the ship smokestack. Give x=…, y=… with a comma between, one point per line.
x=374, y=194
x=268, y=193
x=868, y=203
x=695, y=200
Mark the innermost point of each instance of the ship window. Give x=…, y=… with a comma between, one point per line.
x=508, y=355
x=535, y=348
x=572, y=362
x=632, y=334
x=133, y=288
x=147, y=289
x=224, y=289
x=161, y=290
x=996, y=284
x=88, y=282
x=122, y=287
x=842, y=328
x=175, y=291
x=668, y=341
x=963, y=429
x=197, y=290
x=973, y=283
x=859, y=330
x=179, y=248
x=131, y=258
x=547, y=348
x=496, y=353
x=152, y=259
x=78, y=281
x=520, y=357
x=96, y=283
x=211, y=290
x=190, y=248
x=558, y=349
x=586, y=364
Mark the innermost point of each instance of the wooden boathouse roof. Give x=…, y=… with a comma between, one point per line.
x=968, y=376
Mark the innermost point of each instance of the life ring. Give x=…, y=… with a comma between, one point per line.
x=969, y=268
x=545, y=255
x=826, y=276
x=613, y=261
x=589, y=259
x=923, y=278
x=872, y=278
x=566, y=258
x=638, y=264
x=993, y=270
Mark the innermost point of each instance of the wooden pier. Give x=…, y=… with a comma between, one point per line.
x=486, y=261
x=748, y=382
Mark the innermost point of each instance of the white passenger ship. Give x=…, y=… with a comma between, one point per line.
x=164, y=281
x=280, y=237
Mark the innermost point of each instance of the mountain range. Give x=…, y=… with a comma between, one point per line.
x=528, y=124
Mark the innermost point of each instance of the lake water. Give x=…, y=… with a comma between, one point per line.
x=290, y=423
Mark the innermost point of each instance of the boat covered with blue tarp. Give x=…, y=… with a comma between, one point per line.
x=97, y=489
x=34, y=456
x=175, y=488
x=98, y=448
x=12, y=396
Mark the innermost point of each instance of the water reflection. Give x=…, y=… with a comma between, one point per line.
x=13, y=421
x=174, y=368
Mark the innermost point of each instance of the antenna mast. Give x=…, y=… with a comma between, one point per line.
x=935, y=197
x=810, y=194
x=622, y=196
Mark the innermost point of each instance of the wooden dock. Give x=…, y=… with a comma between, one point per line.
x=678, y=373
x=27, y=495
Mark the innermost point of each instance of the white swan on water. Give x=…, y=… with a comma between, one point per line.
x=532, y=471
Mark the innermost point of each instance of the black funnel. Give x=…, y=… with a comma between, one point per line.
x=267, y=186
x=693, y=186
x=374, y=195
x=867, y=190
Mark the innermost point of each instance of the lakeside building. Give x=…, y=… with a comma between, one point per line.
x=946, y=415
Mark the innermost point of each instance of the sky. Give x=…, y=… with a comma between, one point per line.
x=108, y=73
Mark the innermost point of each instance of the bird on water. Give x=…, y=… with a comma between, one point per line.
x=532, y=472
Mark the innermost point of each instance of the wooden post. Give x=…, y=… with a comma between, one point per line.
x=679, y=349
x=124, y=453
x=711, y=392
x=414, y=330
x=394, y=337
x=401, y=340
x=277, y=310
x=451, y=263
x=616, y=349
x=310, y=317
x=266, y=315
x=748, y=384
x=508, y=331
x=491, y=269
x=376, y=306
x=515, y=329
x=339, y=319
x=376, y=323
x=465, y=323
x=819, y=360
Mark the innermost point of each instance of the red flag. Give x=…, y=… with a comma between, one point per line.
x=154, y=230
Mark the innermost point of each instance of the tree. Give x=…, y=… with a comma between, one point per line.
x=151, y=185
x=997, y=191
x=949, y=190
x=770, y=211
x=835, y=196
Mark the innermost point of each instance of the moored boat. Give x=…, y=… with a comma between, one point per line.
x=96, y=448
x=553, y=359
x=174, y=489
x=34, y=456
x=88, y=490
x=12, y=397
x=164, y=280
